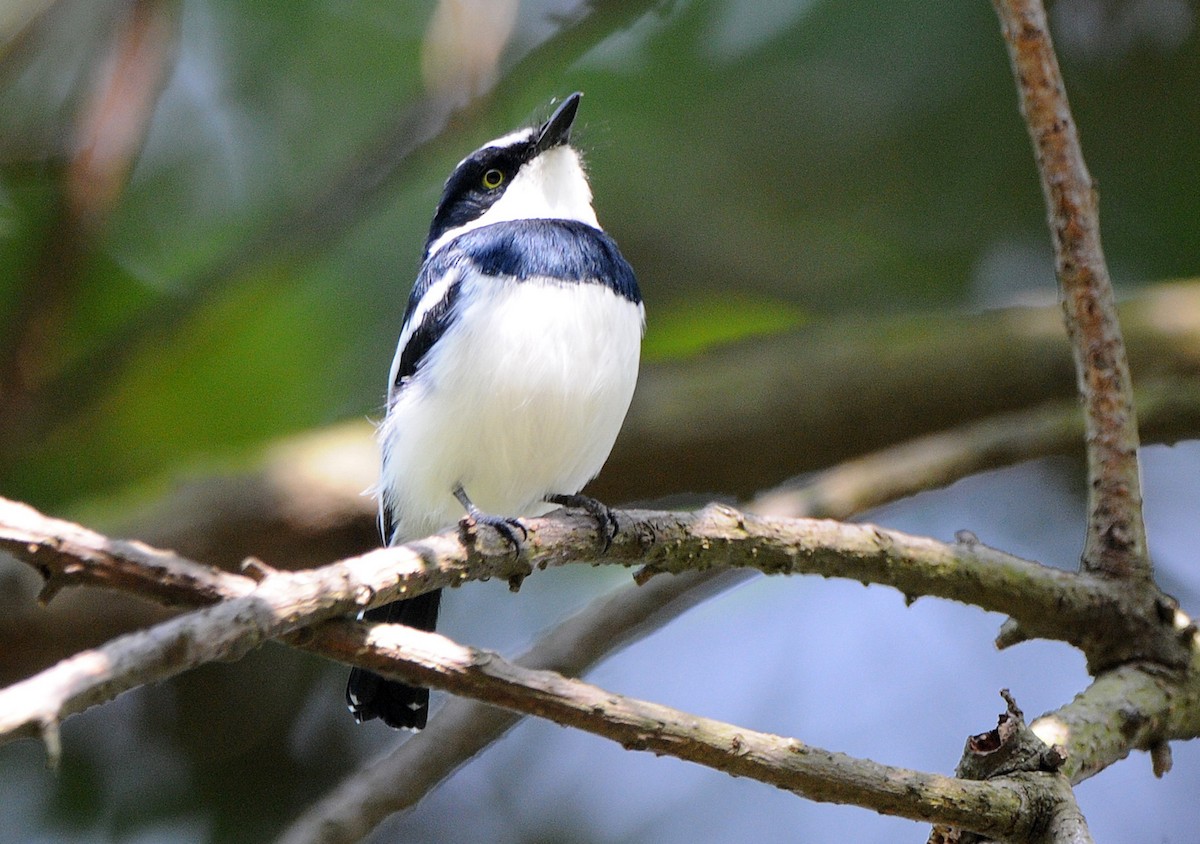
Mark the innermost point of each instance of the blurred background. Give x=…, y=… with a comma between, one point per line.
x=211, y=213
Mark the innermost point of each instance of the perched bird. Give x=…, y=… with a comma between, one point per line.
x=516, y=363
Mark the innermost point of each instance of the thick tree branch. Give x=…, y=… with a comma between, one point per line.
x=1066, y=823
x=303, y=504
x=1085, y=610
x=1116, y=535
x=1092, y=613
x=818, y=398
x=1128, y=708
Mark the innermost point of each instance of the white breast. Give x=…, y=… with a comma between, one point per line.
x=523, y=398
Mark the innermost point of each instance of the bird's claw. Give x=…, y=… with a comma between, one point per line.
x=606, y=520
x=502, y=525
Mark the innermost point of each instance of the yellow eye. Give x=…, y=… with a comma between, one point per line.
x=492, y=179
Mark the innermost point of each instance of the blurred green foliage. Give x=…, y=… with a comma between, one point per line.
x=805, y=157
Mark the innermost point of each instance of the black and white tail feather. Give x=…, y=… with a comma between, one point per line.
x=515, y=367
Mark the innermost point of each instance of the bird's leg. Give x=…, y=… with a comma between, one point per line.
x=501, y=524
x=606, y=522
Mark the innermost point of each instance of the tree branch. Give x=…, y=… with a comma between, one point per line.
x=828, y=403
x=936, y=460
x=463, y=727
x=284, y=602
x=1065, y=824
x=67, y=554
x=995, y=808
x=1127, y=708
x=1116, y=535
x=1089, y=612
x=302, y=505
x=1084, y=610
x=1012, y=749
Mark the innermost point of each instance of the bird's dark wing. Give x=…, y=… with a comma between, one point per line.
x=432, y=309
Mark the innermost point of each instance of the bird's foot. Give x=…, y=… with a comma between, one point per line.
x=503, y=525
x=606, y=521
x=506, y=527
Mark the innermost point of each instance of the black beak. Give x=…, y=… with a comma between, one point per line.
x=557, y=130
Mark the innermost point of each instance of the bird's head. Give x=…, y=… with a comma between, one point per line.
x=530, y=174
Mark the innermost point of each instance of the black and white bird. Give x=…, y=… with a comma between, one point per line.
x=515, y=367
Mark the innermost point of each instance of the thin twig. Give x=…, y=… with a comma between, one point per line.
x=996, y=808
x=1116, y=536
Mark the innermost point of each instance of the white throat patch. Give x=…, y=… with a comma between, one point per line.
x=550, y=187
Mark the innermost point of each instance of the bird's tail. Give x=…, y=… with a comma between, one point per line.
x=399, y=705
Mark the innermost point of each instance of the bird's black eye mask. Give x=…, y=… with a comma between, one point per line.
x=475, y=186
